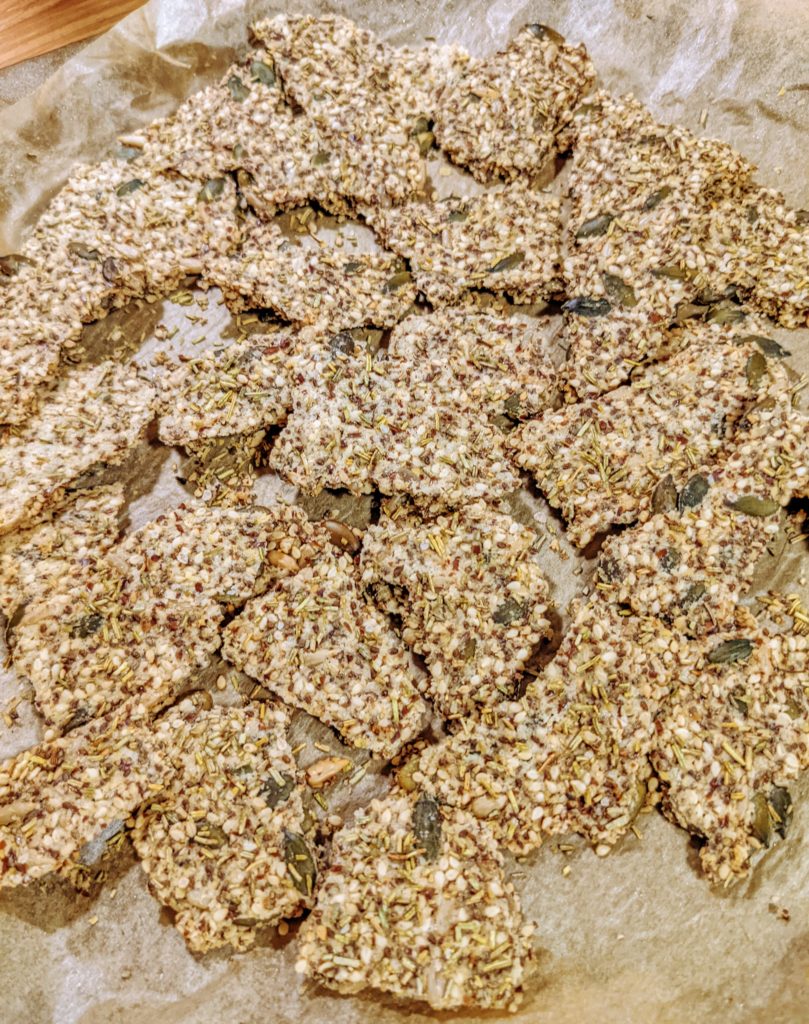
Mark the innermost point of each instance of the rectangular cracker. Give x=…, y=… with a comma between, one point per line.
x=471, y=597
x=507, y=241
x=95, y=415
x=317, y=643
x=213, y=842
x=599, y=461
x=390, y=916
x=501, y=116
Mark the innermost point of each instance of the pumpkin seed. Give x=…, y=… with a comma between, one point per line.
x=300, y=863
x=244, y=179
x=87, y=626
x=761, y=825
x=239, y=152
x=739, y=700
x=512, y=407
x=751, y=214
x=618, y=291
x=127, y=153
x=212, y=189
x=544, y=32
x=656, y=198
x=508, y=262
x=320, y=158
x=689, y=311
x=109, y=270
x=395, y=282
x=352, y=267
x=238, y=90
x=752, y=505
x=724, y=313
x=692, y=494
x=426, y=141
x=781, y=802
x=694, y=594
x=129, y=187
x=664, y=496
x=771, y=814
x=768, y=346
x=262, y=72
x=671, y=559
x=731, y=651
x=457, y=216
x=13, y=263
x=469, y=649
x=673, y=272
x=585, y=306
x=794, y=709
x=508, y=612
x=79, y=717
x=342, y=343
x=77, y=249
x=210, y=835
x=426, y=825
x=755, y=369
x=596, y=226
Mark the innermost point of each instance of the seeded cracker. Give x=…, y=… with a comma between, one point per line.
x=732, y=739
x=91, y=644
x=311, y=285
x=244, y=386
x=502, y=115
x=415, y=903
x=34, y=559
x=366, y=111
x=505, y=241
x=361, y=422
x=313, y=640
x=471, y=598
x=217, y=841
x=94, y=416
x=222, y=471
x=599, y=461
x=501, y=361
x=63, y=793
x=573, y=754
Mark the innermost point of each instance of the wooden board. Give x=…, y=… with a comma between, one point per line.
x=29, y=28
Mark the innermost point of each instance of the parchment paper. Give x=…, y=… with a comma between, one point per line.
x=636, y=937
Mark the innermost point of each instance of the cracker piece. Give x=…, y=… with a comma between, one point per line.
x=500, y=118
x=507, y=241
x=471, y=597
x=415, y=903
x=316, y=642
x=94, y=416
x=219, y=842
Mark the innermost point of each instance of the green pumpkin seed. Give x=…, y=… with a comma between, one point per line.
x=507, y=262
x=300, y=863
x=596, y=226
x=761, y=825
x=503, y=423
x=394, y=283
x=457, y=216
x=794, y=709
x=239, y=152
x=82, y=251
x=673, y=272
x=277, y=788
x=210, y=835
x=320, y=158
x=752, y=505
x=739, y=700
x=238, y=90
x=469, y=649
x=508, y=612
x=731, y=651
x=13, y=263
x=244, y=179
x=768, y=346
x=689, y=311
x=544, y=32
x=664, y=496
x=127, y=153
x=694, y=594
x=352, y=267
x=129, y=187
x=585, y=306
x=618, y=291
x=755, y=369
x=426, y=141
x=725, y=314
x=692, y=494
x=656, y=198
x=426, y=825
x=109, y=270
x=87, y=625
x=751, y=214
x=512, y=407
x=262, y=72
x=212, y=189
